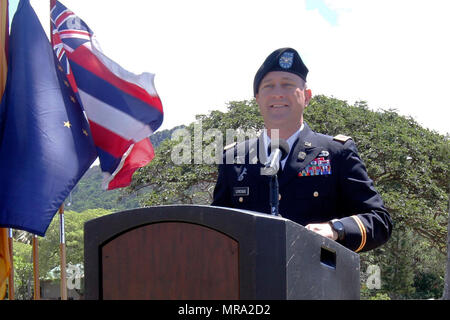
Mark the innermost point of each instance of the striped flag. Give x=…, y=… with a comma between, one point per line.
x=123, y=109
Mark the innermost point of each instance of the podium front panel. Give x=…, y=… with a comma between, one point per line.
x=170, y=260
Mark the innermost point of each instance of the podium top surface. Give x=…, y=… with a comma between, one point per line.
x=220, y=218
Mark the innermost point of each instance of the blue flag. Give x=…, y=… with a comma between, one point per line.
x=45, y=140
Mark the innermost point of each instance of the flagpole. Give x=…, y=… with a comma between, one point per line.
x=62, y=253
x=37, y=288
x=11, y=271
x=62, y=240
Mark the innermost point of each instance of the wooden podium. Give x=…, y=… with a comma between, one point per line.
x=204, y=252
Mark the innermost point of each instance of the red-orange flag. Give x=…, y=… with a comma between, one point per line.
x=5, y=264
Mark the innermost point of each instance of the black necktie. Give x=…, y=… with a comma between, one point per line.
x=280, y=171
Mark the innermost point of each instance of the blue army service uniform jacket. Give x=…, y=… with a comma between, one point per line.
x=323, y=179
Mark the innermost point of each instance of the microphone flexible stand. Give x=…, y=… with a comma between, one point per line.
x=274, y=192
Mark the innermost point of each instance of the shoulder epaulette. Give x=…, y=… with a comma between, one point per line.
x=341, y=138
x=231, y=145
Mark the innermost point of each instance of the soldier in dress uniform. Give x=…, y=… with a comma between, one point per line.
x=323, y=183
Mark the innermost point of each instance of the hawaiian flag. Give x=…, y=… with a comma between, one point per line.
x=123, y=109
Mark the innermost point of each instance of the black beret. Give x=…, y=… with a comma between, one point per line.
x=284, y=59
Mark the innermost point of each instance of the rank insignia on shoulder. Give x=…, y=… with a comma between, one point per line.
x=341, y=138
x=229, y=146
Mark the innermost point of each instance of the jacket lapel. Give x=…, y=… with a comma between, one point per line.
x=256, y=157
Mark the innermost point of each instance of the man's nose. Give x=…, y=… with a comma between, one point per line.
x=277, y=92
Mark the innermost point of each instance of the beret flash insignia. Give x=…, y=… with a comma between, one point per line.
x=286, y=60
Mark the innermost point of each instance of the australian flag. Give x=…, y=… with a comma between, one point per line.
x=45, y=140
x=123, y=109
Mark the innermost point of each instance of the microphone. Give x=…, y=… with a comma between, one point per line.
x=280, y=151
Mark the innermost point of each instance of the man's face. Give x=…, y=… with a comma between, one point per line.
x=282, y=98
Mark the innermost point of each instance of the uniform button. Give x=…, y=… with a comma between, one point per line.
x=241, y=199
x=279, y=196
x=315, y=194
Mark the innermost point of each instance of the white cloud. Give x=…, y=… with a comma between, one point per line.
x=205, y=53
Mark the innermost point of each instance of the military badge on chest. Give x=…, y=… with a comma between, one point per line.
x=320, y=166
x=242, y=174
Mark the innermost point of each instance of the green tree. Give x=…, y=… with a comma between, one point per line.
x=88, y=194
x=446, y=294
x=23, y=271
x=49, y=256
x=410, y=169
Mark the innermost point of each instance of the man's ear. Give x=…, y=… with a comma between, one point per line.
x=308, y=96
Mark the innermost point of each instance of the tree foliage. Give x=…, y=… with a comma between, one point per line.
x=88, y=194
x=49, y=257
x=446, y=294
x=406, y=162
x=49, y=250
x=23, y=271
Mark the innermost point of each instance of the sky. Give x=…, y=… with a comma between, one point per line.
x=394, y=54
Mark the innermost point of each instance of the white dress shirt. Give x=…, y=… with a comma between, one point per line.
x=290, y=141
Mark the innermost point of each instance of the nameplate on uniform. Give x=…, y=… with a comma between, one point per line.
x=241, y=191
